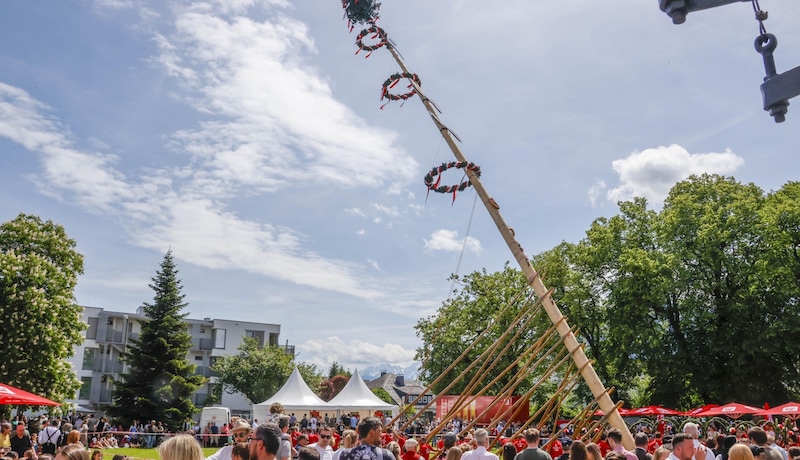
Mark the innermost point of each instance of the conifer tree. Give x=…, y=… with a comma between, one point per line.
x=159, y=381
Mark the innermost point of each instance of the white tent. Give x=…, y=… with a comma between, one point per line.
x=356, y=396
x=293, y=395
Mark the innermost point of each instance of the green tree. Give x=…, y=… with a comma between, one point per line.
x=258, y=372
x=383, y=394
x=337, y=369
x=463, y=317
x=40, y=320
x=159, y=382
x=682, y=305
x=311, y=374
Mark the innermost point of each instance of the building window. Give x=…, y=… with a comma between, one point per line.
x=86, y=386
x=88, y=358
x=202, y=330
x=219, y=338
x=198, y=358
x=258, y=335
x=91, y=333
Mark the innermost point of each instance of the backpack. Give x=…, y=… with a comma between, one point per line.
x=49, y=447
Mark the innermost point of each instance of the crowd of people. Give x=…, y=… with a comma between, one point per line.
x=285, y=437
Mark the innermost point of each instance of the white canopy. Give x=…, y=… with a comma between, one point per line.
x=293, y=395
x=356, y=396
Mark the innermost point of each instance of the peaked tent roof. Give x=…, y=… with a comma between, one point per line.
x=357, y=396
x=293, y=395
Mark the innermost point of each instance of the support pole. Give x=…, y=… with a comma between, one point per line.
x=534, y=280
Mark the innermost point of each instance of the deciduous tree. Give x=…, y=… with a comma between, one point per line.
x=40, y=321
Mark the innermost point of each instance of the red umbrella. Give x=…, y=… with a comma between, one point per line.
x=791, y=410
x=654, y=410
x=16, y=397
x=622, y=412
x=694, y=412
x=733, y=410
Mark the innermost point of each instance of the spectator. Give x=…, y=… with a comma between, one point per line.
x=180, y=447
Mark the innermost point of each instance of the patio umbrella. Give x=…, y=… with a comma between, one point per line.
x=732, y=410
x=694, y=412
x=791, y=410
x=654, y=410
x=622, y=412
x=16, y=397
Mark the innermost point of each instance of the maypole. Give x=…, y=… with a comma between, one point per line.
x=365, y=11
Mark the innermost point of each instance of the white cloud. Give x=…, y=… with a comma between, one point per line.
x=447, y=240
x=271, y=122
x=595, y=191
x=323, y=352
x=374, y=264
x=275, y=121
x=651, y=173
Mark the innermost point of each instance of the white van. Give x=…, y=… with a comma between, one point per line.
x=217, y=414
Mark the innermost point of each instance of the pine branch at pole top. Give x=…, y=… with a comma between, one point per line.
x=534, y=280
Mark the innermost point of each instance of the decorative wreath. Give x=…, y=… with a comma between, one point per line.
x=444, y=167
x=392, y=81
x=360, y=12
x=378, y=33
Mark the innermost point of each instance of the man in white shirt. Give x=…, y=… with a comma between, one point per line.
x=241, y=432
x=682, y=447
x=480, y=452
x=323, y=446
x=701, y=452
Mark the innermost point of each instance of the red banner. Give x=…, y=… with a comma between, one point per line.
x=499, y=408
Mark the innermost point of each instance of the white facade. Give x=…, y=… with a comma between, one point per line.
x=97, y=361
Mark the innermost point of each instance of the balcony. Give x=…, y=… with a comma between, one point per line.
x=205, y=371
x=200, y=344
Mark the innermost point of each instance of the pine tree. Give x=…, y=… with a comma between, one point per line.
x=159, y=382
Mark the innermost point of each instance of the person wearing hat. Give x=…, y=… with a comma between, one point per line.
x=241, y=433
x=448, y=440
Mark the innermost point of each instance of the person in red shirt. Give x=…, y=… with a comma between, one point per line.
x=410, y=450
x=425, y=451
x=556, y=449
x=655, y=443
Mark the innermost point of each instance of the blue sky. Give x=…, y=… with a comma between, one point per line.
x=248, y=137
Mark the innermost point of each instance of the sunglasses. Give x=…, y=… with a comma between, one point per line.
x=325, y=436
x=242, y=434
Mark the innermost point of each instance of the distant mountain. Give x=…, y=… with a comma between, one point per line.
x=373, y=372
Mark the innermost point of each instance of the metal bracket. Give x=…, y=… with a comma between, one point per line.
x=678, y=9
x=777, y=90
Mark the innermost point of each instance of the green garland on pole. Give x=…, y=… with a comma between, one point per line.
x=360, y=12
x=444, y=167
x=378, y=33
x=393, y=80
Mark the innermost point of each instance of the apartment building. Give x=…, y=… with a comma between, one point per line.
x=97, y=361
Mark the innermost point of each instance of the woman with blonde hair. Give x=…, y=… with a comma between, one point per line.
x=594, y=451
x=740, y=451
x=180, y=447
x=454, y=453
x=394, y=448
x=662, y=453
x=349, y=440
x=72, y=452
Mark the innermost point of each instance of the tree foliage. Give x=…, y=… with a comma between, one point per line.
x=337, y=369
x=258, y=372
x=383, y=395
x=700, y=297
x=695, y=303
x=460, y=321
x=331, y=387
x=159, y=381
x=40, y=321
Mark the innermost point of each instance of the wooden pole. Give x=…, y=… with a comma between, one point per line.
x=577, y=353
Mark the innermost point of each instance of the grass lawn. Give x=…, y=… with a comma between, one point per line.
x=108, y=454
